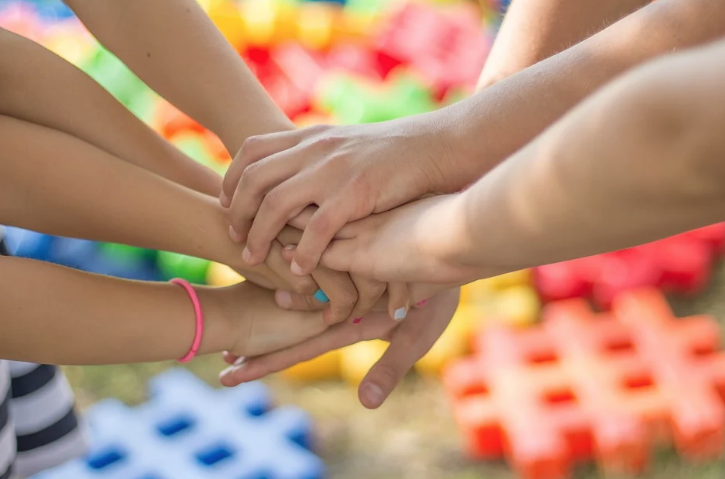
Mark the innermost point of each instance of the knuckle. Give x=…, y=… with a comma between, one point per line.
x=305, y=286
x=388, y=374
x=250, y=145
x=274, y=198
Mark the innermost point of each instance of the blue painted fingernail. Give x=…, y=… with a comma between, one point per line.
x=400, y=314
x=321, y=296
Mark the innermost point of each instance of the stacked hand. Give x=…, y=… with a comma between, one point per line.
x=340, y=186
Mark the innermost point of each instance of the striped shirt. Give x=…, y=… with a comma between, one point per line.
x=38, y=425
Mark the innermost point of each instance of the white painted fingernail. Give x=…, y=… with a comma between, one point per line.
x=240, y=360
x=400, y=314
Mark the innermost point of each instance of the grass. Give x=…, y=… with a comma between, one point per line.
x=412, y=437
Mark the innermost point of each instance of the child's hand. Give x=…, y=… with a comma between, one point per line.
x=409, y=340
x=415, y=243
x=260, y=326
x=350, y=172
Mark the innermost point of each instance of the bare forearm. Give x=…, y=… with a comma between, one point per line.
x=97, y=117
x=640, y=161
x=504, y=117
x=57, y=315
x=54, y=183
x=533, y=31
x=176, y=49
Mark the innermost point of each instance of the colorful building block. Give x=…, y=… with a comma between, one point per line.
x=189, y=431
x=175, y=265
x=593, y=386
x=222, y=275
x=681, y=264
x=446, y=46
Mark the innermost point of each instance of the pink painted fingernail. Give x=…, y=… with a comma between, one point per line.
x=356, y=320
x=296, y=269
x=284, y=299
x=421, y=303
x=246, y=255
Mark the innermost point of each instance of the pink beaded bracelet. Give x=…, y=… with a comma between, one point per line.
x=199, y=331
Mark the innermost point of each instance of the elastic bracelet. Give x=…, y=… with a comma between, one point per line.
x=199, y=332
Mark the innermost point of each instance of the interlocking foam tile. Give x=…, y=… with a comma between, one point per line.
x=189, y=431
x=588, y=386
x=681, y=264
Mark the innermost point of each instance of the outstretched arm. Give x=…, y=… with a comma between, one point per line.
x=85, y=110
x=639, y=161
x=535, y=30
x=176, y=49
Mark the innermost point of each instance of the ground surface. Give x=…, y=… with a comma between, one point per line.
x=411, y=437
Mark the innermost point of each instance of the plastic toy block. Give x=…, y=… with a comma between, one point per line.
x=268, y=22
x=170, y=121
x=316, y=24
x=222, y=275
x=228, y=19
x=448, y=47
x=196, y=146
x=359, y=358
x=681, y=264
x=174, y=265
x=356, y=100
x=190, y=431
x=593, y=386
x=321, y=368
x=354, y=59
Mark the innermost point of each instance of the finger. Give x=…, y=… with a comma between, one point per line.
x=369, y=292
x=253, y=149
x=398, y=300
x=300, y=221
x=290, y=300
x=278, y=206
x=320, y=230
x=229, y=358
x=299, y=284
x=404, y=351
x=256, y=182
x=341, y=291
x=340, y=255
x=336, y=337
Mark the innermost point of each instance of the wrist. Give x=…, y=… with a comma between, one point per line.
x=218, y=306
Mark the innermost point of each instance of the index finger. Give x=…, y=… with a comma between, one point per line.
x=254, y=149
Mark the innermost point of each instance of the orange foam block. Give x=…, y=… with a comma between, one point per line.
x=589, y=386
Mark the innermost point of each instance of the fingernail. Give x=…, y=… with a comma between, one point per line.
x=356, y=320
x=224, y=199
x=240, y=360
x=373, y=393
x=284, y=299
x=421, y=303
x=290, y=247
x=400, y=314
x=321, y=296
x=234, y=235
x=246, y=255
x=296, y=270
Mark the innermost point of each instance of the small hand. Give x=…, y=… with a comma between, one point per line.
x=414, y=243
x=350, y=172
x=260, y=326
x=409, y=340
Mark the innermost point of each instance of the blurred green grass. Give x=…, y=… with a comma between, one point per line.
x=411, y=437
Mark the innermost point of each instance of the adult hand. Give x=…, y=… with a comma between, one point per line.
x=409, y=341
x=350, y=172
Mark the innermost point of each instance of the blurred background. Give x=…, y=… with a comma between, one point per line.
x=359, y=61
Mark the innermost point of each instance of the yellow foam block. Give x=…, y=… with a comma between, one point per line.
x=359, y=358
x=222, y=275
x=315, y=24
x=454, y=342
x=228, y=19
x=518, y=306
x=322, y=367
